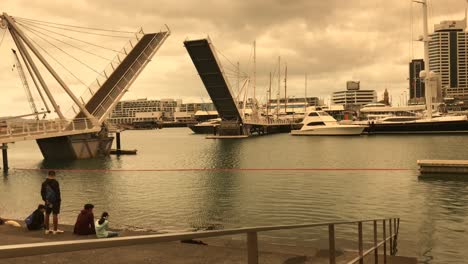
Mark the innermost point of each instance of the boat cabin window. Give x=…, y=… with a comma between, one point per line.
x=323, y=114
x=400, y=119
x=316, y=124
x=313, y=114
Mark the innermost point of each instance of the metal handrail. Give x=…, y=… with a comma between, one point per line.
x=134, y=72
x=11, y=129
x=31, y=249
x=94, y=86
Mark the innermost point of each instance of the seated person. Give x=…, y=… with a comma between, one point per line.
x=36, y=220
x=102, y=225
x=85, y=221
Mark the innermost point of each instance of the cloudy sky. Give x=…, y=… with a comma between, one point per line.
x=332, y=41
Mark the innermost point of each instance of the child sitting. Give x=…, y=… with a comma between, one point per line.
x=102, y=225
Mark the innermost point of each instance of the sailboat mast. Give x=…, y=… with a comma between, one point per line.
x=268, y=99
x=305, y=93
x=285, y=89
x=254, y=69
x=279, y=87
x=427, y=81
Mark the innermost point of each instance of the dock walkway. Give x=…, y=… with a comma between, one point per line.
x=443, y=166
x=219, y=250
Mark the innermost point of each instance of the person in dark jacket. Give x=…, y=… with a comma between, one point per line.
x=85, y=221
x=37, y=218
x=50, y=192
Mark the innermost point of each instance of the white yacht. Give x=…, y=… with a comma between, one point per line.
x=320, y=123
x=206, y=127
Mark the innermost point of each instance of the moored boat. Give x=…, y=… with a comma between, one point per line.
x=207, y=127
x=320, y=123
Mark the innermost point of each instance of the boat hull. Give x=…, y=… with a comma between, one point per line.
x=330, y=131
x=208, y=129
x=439, y=127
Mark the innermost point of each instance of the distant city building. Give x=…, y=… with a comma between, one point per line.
x=294, y=104
x=386, y=98
x=164, y=110
x=416, y=86
x=353, y=85
x=311, y=101
x=448, y=56
x=354, y=96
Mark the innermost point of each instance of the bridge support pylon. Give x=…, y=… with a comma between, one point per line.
x=82, y=146
x=5, y=158
x=232, y=128
x=117, y=143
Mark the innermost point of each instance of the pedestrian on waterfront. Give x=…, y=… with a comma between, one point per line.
x=102, y=225
x=85, y=221
x=50, y=192
x=35, y=221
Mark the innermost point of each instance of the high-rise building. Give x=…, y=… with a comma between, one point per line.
x=448, y=56
x=416, y=86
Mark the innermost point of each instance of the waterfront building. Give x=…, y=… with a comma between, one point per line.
x=293, y=104
x=164, y=110
x=416, y=85
x=353, y=96
x=448, y=56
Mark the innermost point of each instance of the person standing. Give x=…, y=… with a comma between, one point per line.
x=85, y=221
x=50, y=192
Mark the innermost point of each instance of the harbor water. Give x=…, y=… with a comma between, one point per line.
x=139, y=194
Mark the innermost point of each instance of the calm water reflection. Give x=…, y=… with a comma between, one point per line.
x=433, y=211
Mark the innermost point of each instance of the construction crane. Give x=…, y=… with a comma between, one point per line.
x=22, y=76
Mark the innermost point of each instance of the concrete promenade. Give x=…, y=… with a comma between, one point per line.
x=219, y=250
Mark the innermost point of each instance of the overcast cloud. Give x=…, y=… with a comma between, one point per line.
x=332, y=41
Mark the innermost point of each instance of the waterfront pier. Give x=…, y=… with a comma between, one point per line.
x=447, y=167
x=217, y=246
x=234, y=122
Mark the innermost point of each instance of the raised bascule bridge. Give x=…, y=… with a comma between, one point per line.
x=234, y=120
x=85, y=134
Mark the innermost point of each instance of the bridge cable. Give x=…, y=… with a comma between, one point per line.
x=71, y=45
x=73, y=57
x=80, y=31
x=234, y=65
x=66, y=25
x=63, y=66
x=3, y=36
x=63, y=35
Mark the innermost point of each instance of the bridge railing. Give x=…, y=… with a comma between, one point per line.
x=389, y=228
x=267, y=121
x=129, y=76
x=101, y=78
x=25, y=128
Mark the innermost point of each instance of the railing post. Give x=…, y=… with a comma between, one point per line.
x=376, y=249
x=390, y=227
x=331, y=243
x=384, y=226
x=395, y=232
x=252, y=248
x=361, y=257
